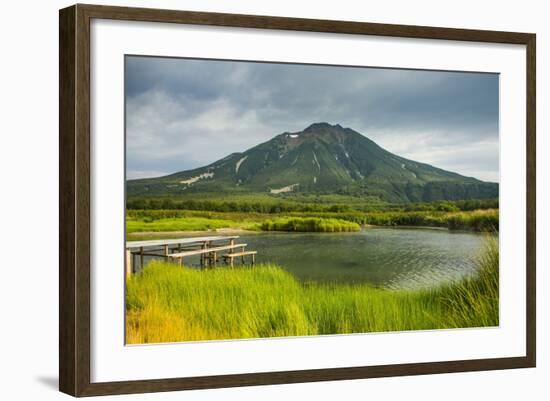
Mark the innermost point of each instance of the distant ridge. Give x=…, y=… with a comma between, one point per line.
x=323, y=158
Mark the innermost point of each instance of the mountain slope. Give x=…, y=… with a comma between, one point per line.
x=322, y=158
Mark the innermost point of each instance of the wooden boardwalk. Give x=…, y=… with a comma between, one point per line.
x=210, y=250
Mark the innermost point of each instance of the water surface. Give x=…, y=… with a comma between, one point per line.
x=383, y=257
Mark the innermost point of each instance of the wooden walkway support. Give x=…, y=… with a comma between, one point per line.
x=204, y=251
x=230, y=256
x=208, y=248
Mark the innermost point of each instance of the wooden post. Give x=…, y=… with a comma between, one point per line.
x=204, y=256
x=253, y=259
x=166, y=250
x=129, y=267
x=141, y=258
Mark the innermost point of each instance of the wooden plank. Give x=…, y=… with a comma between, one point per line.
x=178, y=241
x=237, y=254
x=205, y=250
x=161, y=251
x=157, y=255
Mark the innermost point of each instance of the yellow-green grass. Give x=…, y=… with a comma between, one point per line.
x=309, y=224
x=480, y=220
x=134, y=225
x=191, y=222
x=186, y=220
x=167, y=303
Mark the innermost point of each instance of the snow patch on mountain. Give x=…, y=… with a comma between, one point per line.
x=239, y=163
x=288, y=188
x=315, y=161
x=192, y=180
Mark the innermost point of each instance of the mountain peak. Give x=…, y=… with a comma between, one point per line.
x=322, y=126
x=316, y=130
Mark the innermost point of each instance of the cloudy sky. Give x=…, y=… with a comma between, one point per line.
x=185, y=113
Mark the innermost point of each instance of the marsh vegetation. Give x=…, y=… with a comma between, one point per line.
x=181, y=220
x=167, y=303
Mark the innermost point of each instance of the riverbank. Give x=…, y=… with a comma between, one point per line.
x=166, y=303
x=152, y=235
x=145, y=224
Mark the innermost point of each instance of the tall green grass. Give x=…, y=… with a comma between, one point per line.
x=309, y=224
x=135, y=225
x=486, y=220
x=167, y=303
x=478, y=220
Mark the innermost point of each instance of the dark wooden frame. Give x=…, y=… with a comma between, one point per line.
x=74, y=199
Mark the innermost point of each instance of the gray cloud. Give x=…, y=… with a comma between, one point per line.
x=185, y=113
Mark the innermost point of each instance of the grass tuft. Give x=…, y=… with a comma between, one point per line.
x=310, y=224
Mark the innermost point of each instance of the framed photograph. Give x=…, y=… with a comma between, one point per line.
x=250, y=200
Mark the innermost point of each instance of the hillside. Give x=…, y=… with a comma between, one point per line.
x=323, y=158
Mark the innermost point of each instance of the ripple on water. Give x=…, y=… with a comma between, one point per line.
x=391, y=258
